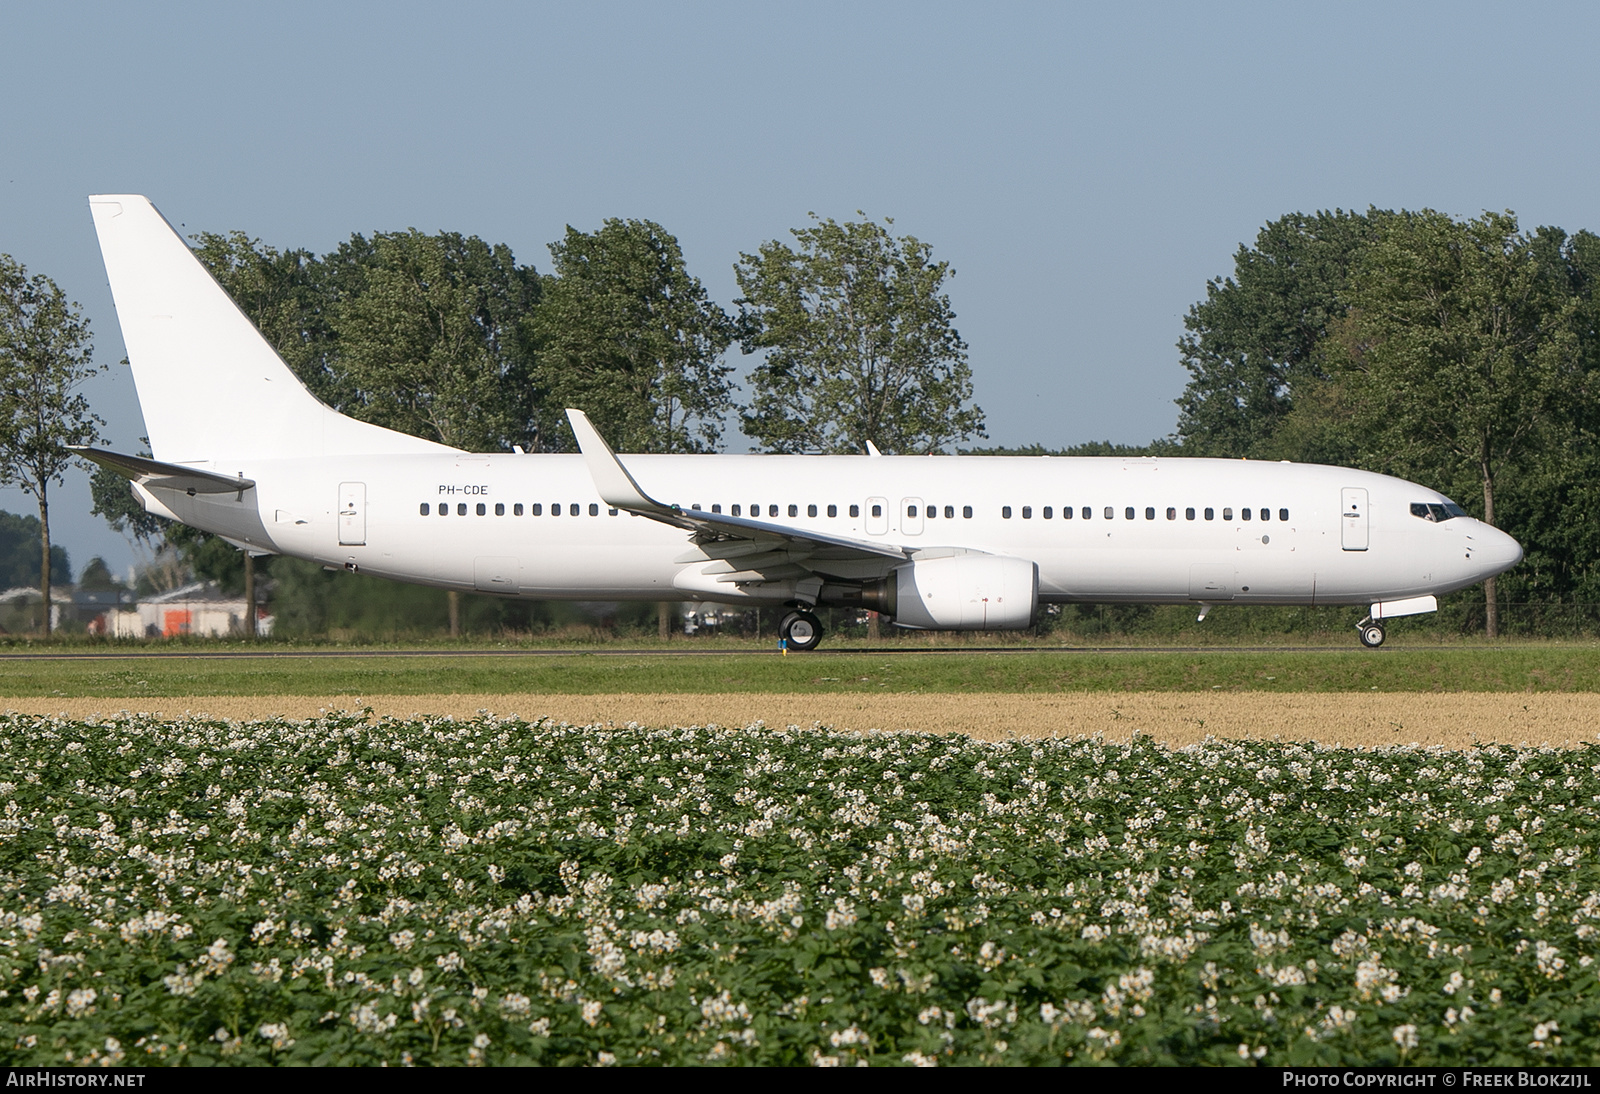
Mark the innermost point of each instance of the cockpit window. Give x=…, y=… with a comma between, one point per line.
x=1434, y=512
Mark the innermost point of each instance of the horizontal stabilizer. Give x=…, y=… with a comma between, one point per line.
x=155, y=475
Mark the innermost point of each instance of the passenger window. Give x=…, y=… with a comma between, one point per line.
x=1188, y=514
x=1283, y=514
x=1244, y=514
x=444, y=510
x=483, y=510
x=833, y=510
x=1150, y=512
x=855, y=510
x=932, y=511
x=536, y=509
x=911, y=510
x=772, y=510
x=715, y=508
x=811, y=510
x=516, y=510
x=1027, y=512
x=1066, y=512
x=1087, y=512
x=1227, y=514
x=574, y=509
x=1266, y=514
x=966, y=512
x=594, y=510
x=1211, y=514
x=555, y=509
x=1110, y=512
x=461, y=509
x=611, y=512
x=949, y=512
x=426, y=509
x=499, y=508
x=1127, y=513
x=794, y=511
x=1172, y=514
x=1046, y=512
x=737, y=510
x=1005, y=512
x=877, y=510
x=755, y=510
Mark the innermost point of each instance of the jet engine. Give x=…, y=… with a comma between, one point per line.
x=960, y=593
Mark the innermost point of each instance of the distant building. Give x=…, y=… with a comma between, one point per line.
x=19, y=609
x=198, y=609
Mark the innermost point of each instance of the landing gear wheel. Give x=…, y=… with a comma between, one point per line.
x=1372, y=635
x=801, y=631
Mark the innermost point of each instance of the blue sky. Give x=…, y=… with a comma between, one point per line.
x=1084, y=168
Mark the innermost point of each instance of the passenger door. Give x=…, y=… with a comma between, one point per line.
x=352, y=514
x=1353, y=510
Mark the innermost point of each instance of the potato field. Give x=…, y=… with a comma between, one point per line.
x=353, y=890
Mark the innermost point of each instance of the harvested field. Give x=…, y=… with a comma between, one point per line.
x=1452, y=720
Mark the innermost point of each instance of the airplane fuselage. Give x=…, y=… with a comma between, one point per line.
x=1139, y=530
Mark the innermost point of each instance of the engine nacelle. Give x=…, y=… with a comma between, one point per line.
x=964, y=593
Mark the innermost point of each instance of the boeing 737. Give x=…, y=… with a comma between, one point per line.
x=241, y=449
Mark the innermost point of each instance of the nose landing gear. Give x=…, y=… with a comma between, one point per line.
x=1371, y=633
x=800, y=631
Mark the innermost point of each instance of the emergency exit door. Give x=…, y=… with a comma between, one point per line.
x=1353, y=518
x=352, y=514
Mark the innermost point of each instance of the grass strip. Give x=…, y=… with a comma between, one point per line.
x=1512, y=669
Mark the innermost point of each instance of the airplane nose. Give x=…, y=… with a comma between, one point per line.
x=1495, y=551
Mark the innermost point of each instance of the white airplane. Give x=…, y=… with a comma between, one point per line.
x=242, y=450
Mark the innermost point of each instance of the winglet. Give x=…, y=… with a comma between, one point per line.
x=611, y=479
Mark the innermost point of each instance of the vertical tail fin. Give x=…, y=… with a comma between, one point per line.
x=210, y=385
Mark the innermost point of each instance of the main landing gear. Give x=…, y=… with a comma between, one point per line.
x=801, y=631
x=1371, y=633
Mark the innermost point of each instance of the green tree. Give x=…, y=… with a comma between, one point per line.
x=1462, y=354
x=19, y=552
x=97, y=577
x=859, y=341
x=1253, y=345
x=625, y=333
x=431, y=338
x=45, y=355
x=432, y=334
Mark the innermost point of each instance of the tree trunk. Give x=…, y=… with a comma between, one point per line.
x=454, y=598
x=1491, y=606
x=44, y=561
x=664, y=620
x=872, y=626
x=249, y=595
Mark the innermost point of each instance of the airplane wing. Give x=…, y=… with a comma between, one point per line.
x=164, y=476
x=734, y=550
